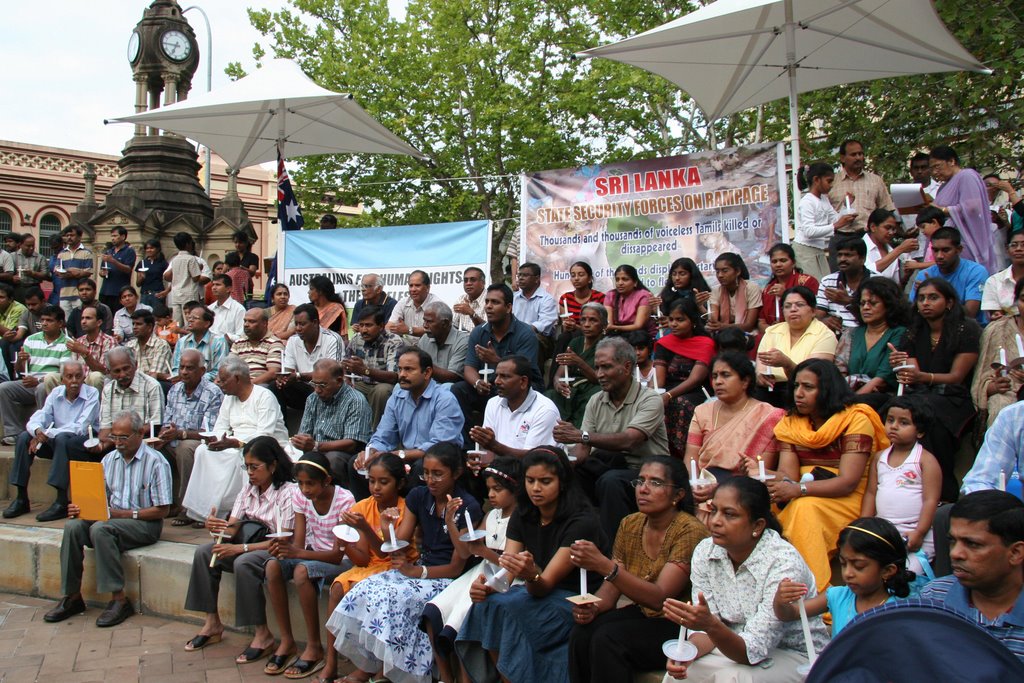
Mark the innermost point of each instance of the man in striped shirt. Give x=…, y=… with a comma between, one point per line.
x=40, y=356
x=76, y=261
x=138, y=482
x=260, y=350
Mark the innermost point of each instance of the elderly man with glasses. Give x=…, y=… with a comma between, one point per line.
x=374, y=295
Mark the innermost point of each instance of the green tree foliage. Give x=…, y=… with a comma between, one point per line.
x=488, y=89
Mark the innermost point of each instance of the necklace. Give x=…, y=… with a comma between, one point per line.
x=935, y=339
x=732, y=414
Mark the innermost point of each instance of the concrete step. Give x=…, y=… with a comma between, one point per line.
x=38, y=490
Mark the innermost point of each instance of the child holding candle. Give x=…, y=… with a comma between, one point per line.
x=385, y=609
x=994, y=388
x=644, y=347
x=311, y=555
x=444, y=614
x=523, y=633
x=905, y=480
x=874, y=564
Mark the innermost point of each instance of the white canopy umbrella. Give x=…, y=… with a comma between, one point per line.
x=246, y=120
x=736, y=54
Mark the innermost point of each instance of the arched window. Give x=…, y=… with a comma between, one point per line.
x=5, y=224
x=49, y=225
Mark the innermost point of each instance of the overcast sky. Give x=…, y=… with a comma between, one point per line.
x=67, y=67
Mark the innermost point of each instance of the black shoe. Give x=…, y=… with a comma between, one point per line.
x=67, y=607
x=53, y=513
x=18, y=507
x=115, y=613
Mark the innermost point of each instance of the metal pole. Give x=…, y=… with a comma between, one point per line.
x=794, y=118
x=209, y=85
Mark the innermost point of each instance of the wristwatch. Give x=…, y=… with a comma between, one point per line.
x=401, y=454
x=585, y=437
x=803, y=489
x=135, y=514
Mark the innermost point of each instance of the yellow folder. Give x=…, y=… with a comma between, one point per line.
x=89, y=490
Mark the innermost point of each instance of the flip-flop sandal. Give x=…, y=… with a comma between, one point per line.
x=181, y=521
x=198, y=525
x=253, y=654
x=277, y=664
x=202, y=640
x=303, y=668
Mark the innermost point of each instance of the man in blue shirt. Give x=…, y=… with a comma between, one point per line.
x=419, y=414
x=116, y=265
x=966, y=277
x=535, y=306
x=987, y=552
x=69, y=410
x=502, y=335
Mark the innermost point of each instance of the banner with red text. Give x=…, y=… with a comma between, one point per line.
x=649, y=213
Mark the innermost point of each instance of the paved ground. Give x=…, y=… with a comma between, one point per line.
x=143, y=648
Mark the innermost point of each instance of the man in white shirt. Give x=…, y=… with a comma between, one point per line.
x=309, y=344
x=407, y=317
x=519, y=418
x=920, y=172
x=469, y=307
x=228, y=314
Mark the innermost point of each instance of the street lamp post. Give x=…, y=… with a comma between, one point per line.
x=209, y=85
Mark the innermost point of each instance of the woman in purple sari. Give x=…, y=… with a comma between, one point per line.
x=964, y=198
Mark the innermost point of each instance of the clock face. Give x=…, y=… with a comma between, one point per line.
x=176, y=45
x=134, y=44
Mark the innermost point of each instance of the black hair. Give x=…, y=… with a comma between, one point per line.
x=51, y=311
x=205, y=312
x=878, y=539
x=423, y=275
x=738, y=362
x=267, y=450
x=733, y=338
x=677, y=476
x=156, y=245
x=309, y=310
x=1017, y=287
x=127, y=288
x=944, y=153
x=95, y=306
x=395, y=467
x=306, y=464
x=919, y=156
x=144, y=316
x=18, y=238
x=953, y=322
x=947, y=233
x=120, y=230
x=87, y=281
x=371, y=311
x=483, y=275
x=753, y=497
x=449, y=455
x=224, y=279
x=786, y=249
x=808, y=174
x=571, y=498
x=241, y=236
x=34, y=292
x=279, y=285
x=854, y=244
x=879, y=216
x=586, y=267
x=803, y=292
x=1003, y=511
x=631, y=273
x=834, y=394
x=506, y=291
x=688, y=307
x=897, y=310
x=520, y=363
x=641, y=339
x=736, y=261
x=7, y=289
x=323, y=284
x=697, y=281
x=850, y=141
x=422, y=357
x=233, y=259
x=160, y=310
x=929, y=214
x=510, y=473
x=215, y=266
x=920, y=412
x=532, y=267
x=329, y=218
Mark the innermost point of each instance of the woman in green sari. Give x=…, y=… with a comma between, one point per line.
x=577, y=362
x=863, y=352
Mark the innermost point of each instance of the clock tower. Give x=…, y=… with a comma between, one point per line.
x=158, y=192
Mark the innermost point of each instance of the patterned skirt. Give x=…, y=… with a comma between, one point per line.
x=377, y=625
x=678, y=414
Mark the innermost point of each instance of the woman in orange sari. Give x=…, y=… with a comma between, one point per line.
x=328, y=304
x=826, y=442
x=281, y=323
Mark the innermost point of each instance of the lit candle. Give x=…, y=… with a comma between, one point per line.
x=811, y=656
x=1002, y=480
x=693, y=470
x=583, y=581
x=1020, y=347
x=391, y=535
x=469, y=522
x=760, y=469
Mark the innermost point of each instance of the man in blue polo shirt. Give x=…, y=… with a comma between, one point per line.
x=987, y=553
x=966, y=277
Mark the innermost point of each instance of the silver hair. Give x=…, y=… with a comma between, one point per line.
x=621, y=349
x=202, y=360
x=235, y=367
x=131, y=416
x=374, y=275
x=77, y=363
x=118, y=350
x=601, y=311
x=440, y=309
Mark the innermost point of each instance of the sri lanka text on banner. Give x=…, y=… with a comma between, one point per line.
x=442, y=250
x=649, y=213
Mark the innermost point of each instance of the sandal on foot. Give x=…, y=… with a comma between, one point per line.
x=277, y=664
x=253, y=654
x=301, y=668
x=202, y=640
x=181, y=521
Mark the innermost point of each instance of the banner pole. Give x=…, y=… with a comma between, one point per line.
x=780, y=157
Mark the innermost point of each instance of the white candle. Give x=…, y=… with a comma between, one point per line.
x=152, y=429
x=1002, y=480
x=469, y=522
x=655, y=376
x=583, y=581
x=1020, y=347
x=760, y=469
x=277, y=517
x=682, y=637
x=848, y=203
x=899, y=389
x=636, y=370
x=60, y=264
x=777, y=315
x=90, y=432
x=477, y=445
x=487, y=370
x=1002, y=356
x=693, y=470
x=811, y=656
x=391, y=535
x=565, y=373
x=565, y=303
x=220, y=539
x=706, y=394
x=282, y=360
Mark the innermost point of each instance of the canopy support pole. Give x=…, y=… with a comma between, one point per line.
x=794, y=118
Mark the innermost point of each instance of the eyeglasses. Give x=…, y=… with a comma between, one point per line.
x=794, y=305
x=250, y=468
x=653, y=484
x=433, y=476
x=318, y=385
x=120, y=438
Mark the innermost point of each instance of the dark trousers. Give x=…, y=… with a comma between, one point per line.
x=606, y=477
x=109, y=540
x=62, y=449
x=339, y=461
x=293, y=395
x=113, y=302
x=249, y=570
x=617, y=644
x=940, y=534
x=8, y=349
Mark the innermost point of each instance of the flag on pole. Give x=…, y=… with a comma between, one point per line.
x=289, y=217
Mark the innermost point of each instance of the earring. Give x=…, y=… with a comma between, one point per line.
x=754, y=534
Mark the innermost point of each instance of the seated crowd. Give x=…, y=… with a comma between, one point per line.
x=518, y=487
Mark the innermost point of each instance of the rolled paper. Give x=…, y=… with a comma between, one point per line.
x=1002, y=480
x=693, y=470
x=469, y=522
x=1020, y=346
x=806, y=625
x=760, y=469
x=583, y=581
x=391, y=535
